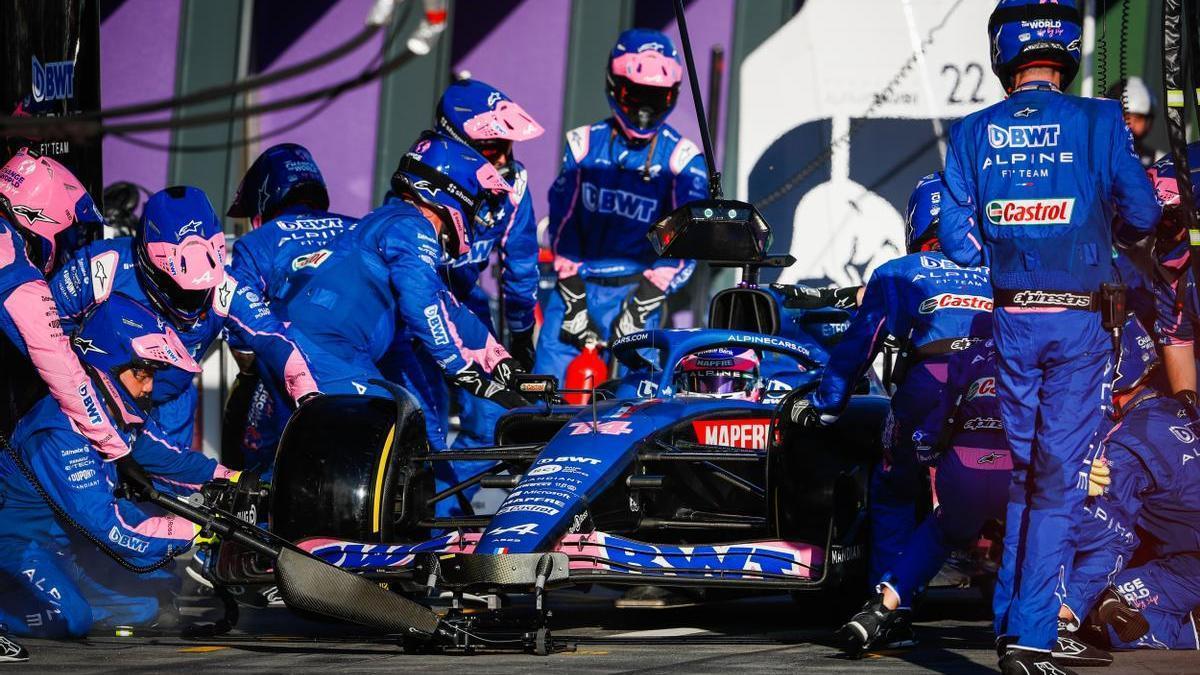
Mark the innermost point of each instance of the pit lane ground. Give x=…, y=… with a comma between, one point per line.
x=756, y=634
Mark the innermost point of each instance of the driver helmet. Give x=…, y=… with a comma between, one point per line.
x=119, y=334
x=49, y=204
x=180, y=253
x=480, y=115
x=921, y=219
x=452, y=179
x=1137, y=357
x=719, y=373
x=642, y=81
x=283, y=175
x=1032, y=33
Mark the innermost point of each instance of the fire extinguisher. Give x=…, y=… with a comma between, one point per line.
x=585, y=371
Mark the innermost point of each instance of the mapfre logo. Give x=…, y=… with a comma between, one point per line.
x=954, y=301
x=1023, y=136
x=750, y=434
x=1030, y=211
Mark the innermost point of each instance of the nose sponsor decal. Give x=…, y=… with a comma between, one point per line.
x=747, y=433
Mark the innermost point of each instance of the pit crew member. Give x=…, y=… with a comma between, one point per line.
x=1145, y=494
x=935, y=307
x=41, y=206
x=962, y=437
x=52, y=583
x=1032, y=186
x=618, y=177
x=175, y=264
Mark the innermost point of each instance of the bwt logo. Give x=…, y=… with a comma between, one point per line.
x=53, y=81
x=1032, y=136
x=436, y=328
x=619, y=202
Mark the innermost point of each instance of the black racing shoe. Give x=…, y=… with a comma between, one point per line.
x=1126, y=622
x=1070, y=650
x=876, y=627
x=12, y=651
x=1029, y=662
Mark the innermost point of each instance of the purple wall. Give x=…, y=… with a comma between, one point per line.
x=138, y=46
x=342, y=137
x=526, y=58
x=710, y=22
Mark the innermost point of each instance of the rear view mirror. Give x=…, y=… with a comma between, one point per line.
x=716, y=230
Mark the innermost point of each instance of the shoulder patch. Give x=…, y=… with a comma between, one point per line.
x=578, y=140
x=520, y=184
x=685, y=151
x=104, y=268
x=223, y=298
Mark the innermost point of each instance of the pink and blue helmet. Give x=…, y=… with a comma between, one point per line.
x=283, y=175
x=451, y=178
x=180, y=251
x=1166, y=188
x=118, y=334
x=719, y=373
x=49, y=204
x=480, y=115
x=1137, y=358
x=921, y=219
x=642, y=79
x=1029, y=33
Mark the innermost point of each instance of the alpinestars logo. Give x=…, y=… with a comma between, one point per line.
x=1023, y=136
x=1030, y=211
x=87, y=346
x=32, y=216
x=424, y=186
x=953, y=301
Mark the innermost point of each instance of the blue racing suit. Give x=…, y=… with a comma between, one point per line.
x=101, y=268
x=607, y=195
x=1033, y=184
x=383, y=287
x=53, y=583
x=1153, y=502
x=509, y=230
x=275, y=260
x=962, y=437
x=935, y=307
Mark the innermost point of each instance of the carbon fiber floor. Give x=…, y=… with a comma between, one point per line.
x=760, y=634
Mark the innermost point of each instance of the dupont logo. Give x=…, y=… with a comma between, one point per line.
x=1030, y=211
x=1023, y=136
x=953, y=301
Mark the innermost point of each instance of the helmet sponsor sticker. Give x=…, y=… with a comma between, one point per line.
x=955, y=301
x=1051, y=211
x=747, y=433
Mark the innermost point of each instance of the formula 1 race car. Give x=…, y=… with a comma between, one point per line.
x=643, y=485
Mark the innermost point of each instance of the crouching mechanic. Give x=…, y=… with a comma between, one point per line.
x=1144, y=501
x=53, y=582
x=283, y=195
x=934, y=307
x=618, y=177
x=963, y=438
x=482, y=117
x=175, y=264
x=383, y=282
x=1045, y=228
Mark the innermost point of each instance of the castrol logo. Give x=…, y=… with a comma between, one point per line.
x=984, y=386
x=954, y=301
x=1030, y=211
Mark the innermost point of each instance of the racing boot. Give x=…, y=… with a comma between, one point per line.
x=1126, y=622
x=12, y=651
x=876, y=627
x=1071, y=650
x=1028, y=662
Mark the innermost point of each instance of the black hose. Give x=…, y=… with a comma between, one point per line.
x=80, y=529
x=1123, y=56
x=1102, y=50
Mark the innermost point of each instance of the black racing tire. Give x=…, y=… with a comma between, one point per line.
x=339, y=466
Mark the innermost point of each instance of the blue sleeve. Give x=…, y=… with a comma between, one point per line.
x=72, y=286
x=163, y=460
x=73, y=475
x=247, y=266
x=423, y=300
x=250, y=320
x=519, y=260
x=691, y=184
x=862, y=341
x=1133, y=194
x=958, y=229
x=565, y=237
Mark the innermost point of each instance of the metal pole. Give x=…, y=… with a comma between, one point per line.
x=714, y=176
